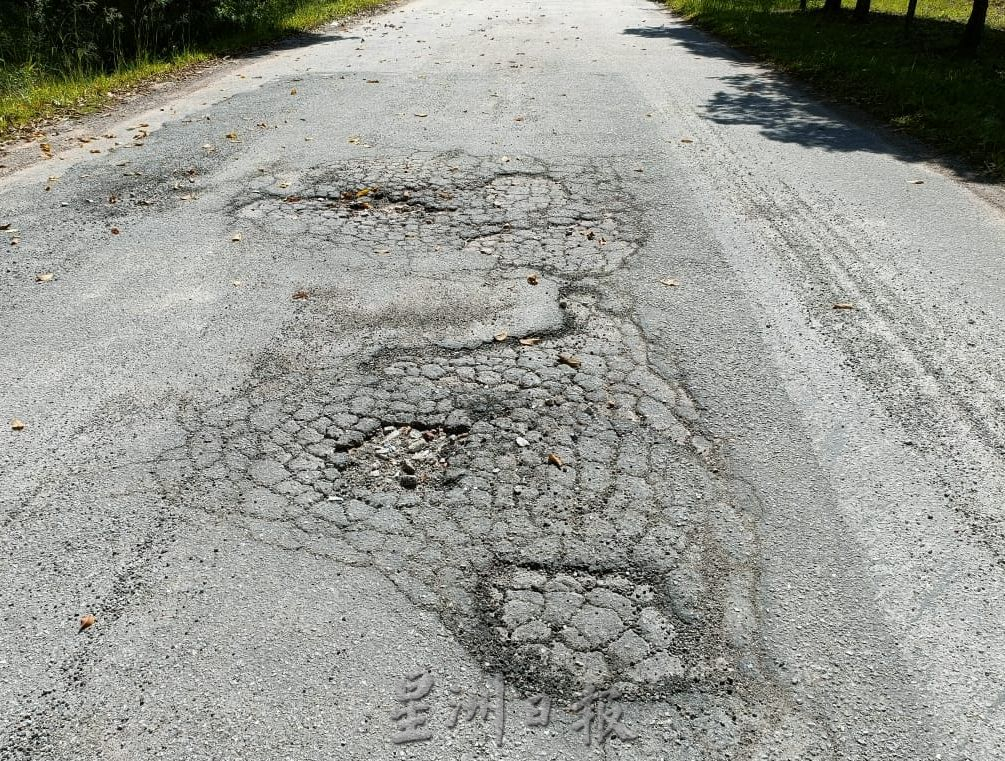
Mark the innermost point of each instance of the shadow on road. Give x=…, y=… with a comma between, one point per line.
x=300, y=40
x=781, y=110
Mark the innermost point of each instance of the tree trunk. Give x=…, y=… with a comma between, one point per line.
x=862, y=9
x=912, y=7
x=833, y=6
x=975, y=27
x=802, y=5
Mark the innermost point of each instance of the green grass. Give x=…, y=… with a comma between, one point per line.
x=916, y=83
x=30, y=93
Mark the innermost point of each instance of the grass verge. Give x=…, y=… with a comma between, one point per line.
x=914, y=81
x=30, y=94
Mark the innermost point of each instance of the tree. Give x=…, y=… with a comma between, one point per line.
x=832, y=6
x=862, y=9
x=975, y=27
x=912, y=7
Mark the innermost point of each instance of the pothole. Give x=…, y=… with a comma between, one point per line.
x=517, y=214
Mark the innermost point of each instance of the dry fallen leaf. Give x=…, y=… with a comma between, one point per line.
x=231, y=136
x=502, y=336
x=114, y=231
x=844, y=305
x=532, y=341
x=364, y=192
x=5, y=226
x=44, y=277
x=17, y=424
x=669, y=282
x=95, y=150
x=570, y=359
x=86, y=622
x=422, y=116
x=301, y=295
x=373, y=81
x=532, y=279
x=293, y=91
x=915, y=182
x=554, y=459
x=686, y=140
x=236, y=237
x=45, y=148
x=354, y=139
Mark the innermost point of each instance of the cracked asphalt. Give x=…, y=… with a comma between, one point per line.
x=465, y=381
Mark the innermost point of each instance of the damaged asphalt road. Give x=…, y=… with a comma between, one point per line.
x=466, y=382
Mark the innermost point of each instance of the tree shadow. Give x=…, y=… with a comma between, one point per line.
x=295, y=42
x=784, y=114
x=784, y=111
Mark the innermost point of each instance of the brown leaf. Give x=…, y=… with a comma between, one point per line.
x=532, y=341
x=669, y=282
x=236, y=237
x=95, y=150
x=501, y=336
x=373, y=81
x=86, y=622
x=231, y=136
x=915, y=182
x=114, y=231
x=422, y=116
x=46, y=149
x=570, y=359
x=301, y=295
x=364, y=192
x=4, y=225
x=44, y=277
x=686, y=140
x=17, y=424
x=844, y=305
x=554, y=459
x=532, y=279
x=293, y=91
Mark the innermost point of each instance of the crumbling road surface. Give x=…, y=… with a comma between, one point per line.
x=500, y=380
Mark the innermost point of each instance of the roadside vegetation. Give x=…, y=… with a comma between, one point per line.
x=939, y=76
x=65, y=56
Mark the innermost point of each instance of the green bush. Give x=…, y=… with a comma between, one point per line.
x=102, y=34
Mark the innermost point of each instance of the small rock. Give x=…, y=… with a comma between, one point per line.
x=408, y=468
x=457, y=422
x=521, y=441
x=409, y=481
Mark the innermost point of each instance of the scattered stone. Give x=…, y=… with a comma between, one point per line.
x=457, y=422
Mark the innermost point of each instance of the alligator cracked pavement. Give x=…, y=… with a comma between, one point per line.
x=465, y=382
